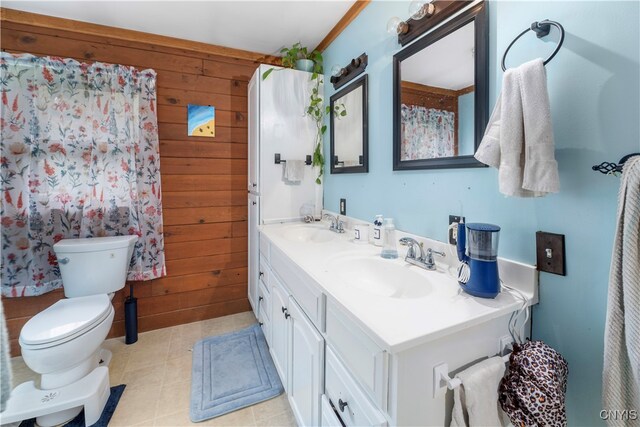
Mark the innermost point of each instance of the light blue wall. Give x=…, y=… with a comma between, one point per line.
x=594, y=92
x=465, y=123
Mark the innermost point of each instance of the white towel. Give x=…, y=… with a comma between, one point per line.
x=475, y=402
x=621, y=372
x=518, y=140
x=294, y=170
x=5, y=362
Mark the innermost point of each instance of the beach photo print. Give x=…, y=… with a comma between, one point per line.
x=201, y=120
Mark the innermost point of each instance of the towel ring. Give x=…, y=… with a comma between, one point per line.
x=541, y=29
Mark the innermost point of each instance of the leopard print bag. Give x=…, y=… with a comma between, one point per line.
x=532, y=393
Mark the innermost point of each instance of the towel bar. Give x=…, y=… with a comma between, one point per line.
x=442, y=380
x=278, y=160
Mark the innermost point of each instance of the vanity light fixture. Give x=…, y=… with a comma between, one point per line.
x=338, y=71
x=418, y=9
x=397, y=26
x=435, y=12
x=341, y=75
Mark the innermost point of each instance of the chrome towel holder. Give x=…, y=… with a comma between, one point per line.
x=541, y=29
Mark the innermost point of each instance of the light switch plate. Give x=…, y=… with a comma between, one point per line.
x=550, y=253
x=343, y=206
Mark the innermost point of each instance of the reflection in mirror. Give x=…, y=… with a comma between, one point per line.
x=437, y=98
x=349, y=128
x=440, y=95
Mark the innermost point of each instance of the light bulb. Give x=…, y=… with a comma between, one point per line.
x=396, y=25
x=418, y=9
x=336, y=71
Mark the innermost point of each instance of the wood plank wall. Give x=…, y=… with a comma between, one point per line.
x=203, y=179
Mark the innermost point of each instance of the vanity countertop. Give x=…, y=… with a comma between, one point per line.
x=394, y=322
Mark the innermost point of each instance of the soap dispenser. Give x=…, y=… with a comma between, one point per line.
x=389, y=250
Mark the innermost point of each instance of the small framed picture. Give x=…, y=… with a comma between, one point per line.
x=201, y=120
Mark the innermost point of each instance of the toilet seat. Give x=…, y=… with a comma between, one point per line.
x=65, y=320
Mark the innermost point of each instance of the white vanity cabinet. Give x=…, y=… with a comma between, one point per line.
x=297, y=349
x=336, y=369
x=306, y=367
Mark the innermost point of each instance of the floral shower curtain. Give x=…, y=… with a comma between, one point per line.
x=427, y=133
x=79, y=159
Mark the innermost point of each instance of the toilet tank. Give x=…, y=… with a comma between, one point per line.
x=94, y=266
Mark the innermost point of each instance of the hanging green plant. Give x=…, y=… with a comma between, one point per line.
x=316, y=108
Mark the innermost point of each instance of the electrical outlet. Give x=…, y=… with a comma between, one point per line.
x=453, y=232
x=506, y=345
x=343, y=206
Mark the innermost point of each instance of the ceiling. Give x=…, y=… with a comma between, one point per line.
x=447, y=63
x=257, y=26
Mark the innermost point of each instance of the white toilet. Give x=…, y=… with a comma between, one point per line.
x=62, y=343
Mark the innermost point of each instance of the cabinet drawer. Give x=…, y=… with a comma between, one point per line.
x=264, y=300
x=363, y=358
x=328, y=417
x=264, y=273
x=352, y=405
x=299, y=284
x=265, y=323
x=264, y=310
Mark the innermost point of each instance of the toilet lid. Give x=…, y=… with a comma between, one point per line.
x=64, y=318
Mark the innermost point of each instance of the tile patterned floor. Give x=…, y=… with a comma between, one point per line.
x=157, y=372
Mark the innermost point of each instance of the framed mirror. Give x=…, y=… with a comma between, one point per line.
x=349, y=128
x=441, y=88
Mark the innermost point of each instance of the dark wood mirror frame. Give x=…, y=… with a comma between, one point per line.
x=477, y=13
x=364, y=167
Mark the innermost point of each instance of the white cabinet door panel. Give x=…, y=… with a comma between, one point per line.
x=254, y=134
x=279, y=329
x=254, y=250
x=306, y=363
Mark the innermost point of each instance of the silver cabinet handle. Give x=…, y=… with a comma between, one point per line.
x=63, y=261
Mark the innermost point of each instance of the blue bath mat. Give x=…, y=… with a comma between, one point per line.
x=107, y=412
x=231, y=372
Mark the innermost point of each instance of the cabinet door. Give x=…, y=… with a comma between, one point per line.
x=306, y=362
x=254, y=251
x=254, y=134
x=279, y=328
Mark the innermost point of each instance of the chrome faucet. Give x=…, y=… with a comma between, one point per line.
x=430, y=264
x=337, y=224
x=424, y=259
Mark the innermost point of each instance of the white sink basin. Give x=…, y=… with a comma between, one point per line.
x=309, y=234
x=382, y=277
